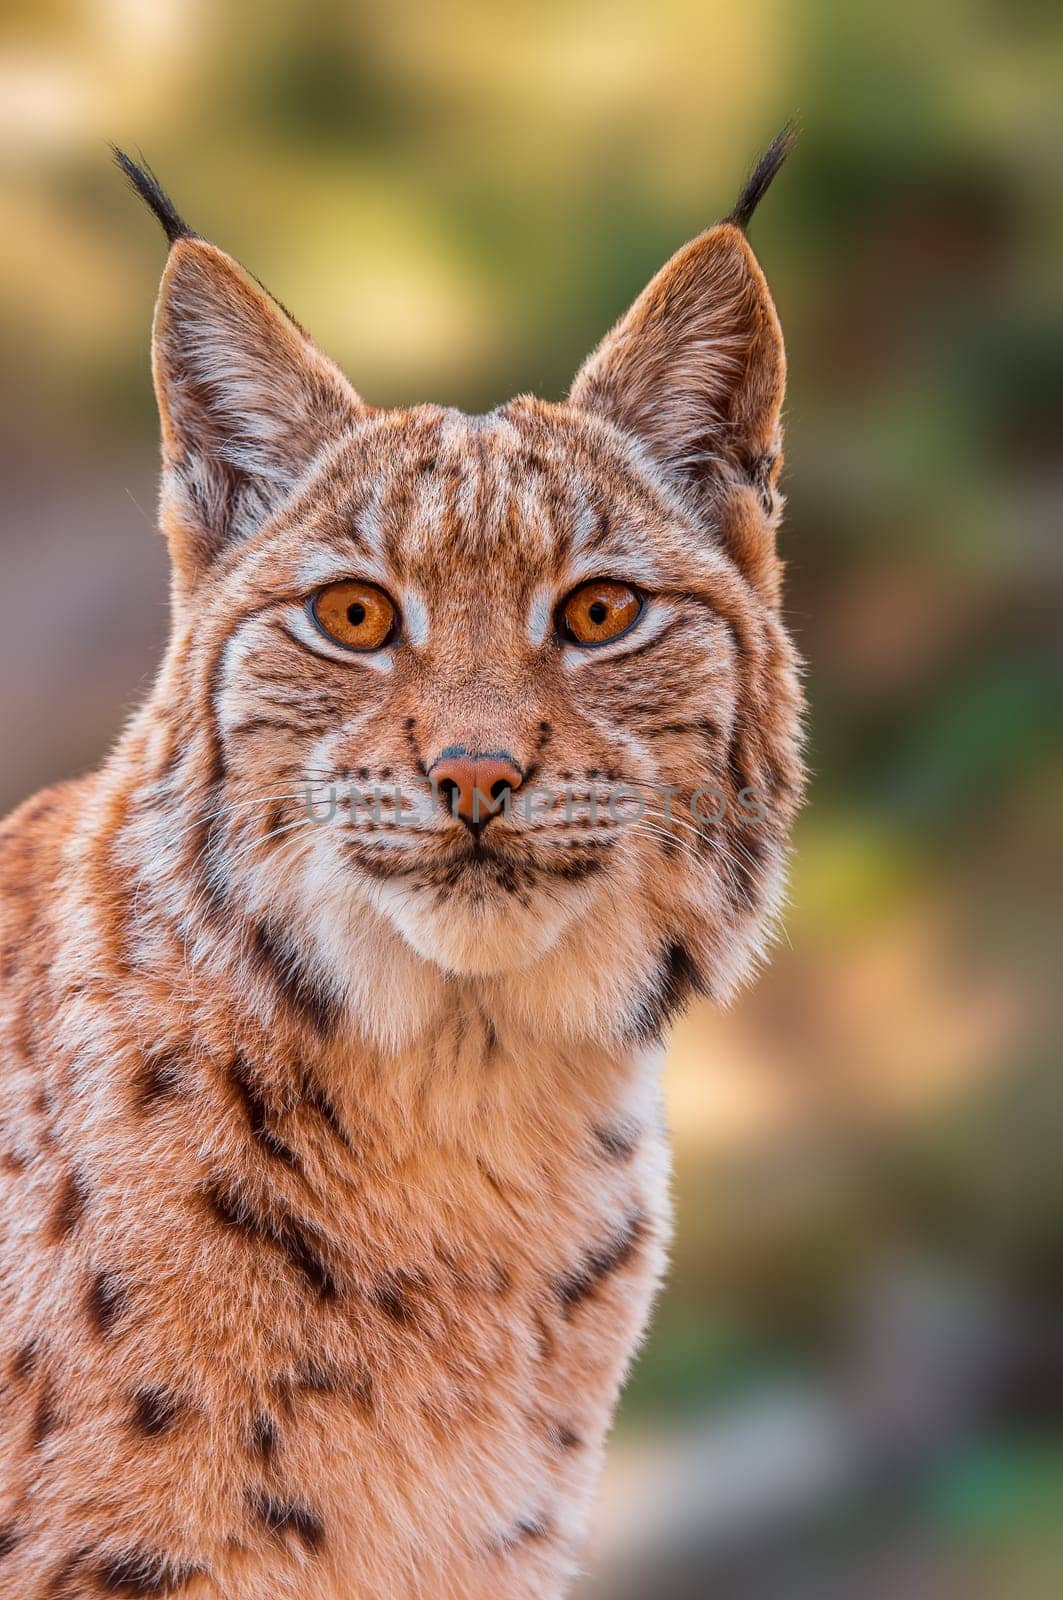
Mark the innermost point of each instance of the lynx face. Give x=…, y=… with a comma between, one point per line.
x=489, y=678
x=333, y=1178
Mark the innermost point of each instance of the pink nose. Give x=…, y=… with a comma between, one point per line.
x=474, y=785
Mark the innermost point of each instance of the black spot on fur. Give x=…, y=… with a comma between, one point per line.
x=62, y=1585
x=289, y=1516
x=759, y=181
x=264, y=1436
x=490, y=1035
x=230, y=1209
x=318, y=1379
x=318, y=1100
x=142, y=1573
x=599, y=1265
x=360, y=1388
x=144, y=183
x=298, y=1243
x=259, y=1113
x=45, y=1419
x=68, y=1208
x=394, y=1301
x=530, y=1530
x=44, y=807
x=9, y=1538
x=155, y=1410
x=618, y=1143
x=545, y=1342
x=304, y=992
x=676, y=980
x=24, y=1362
x=158, y=1078
x=105, y=1302
x=566, y=1438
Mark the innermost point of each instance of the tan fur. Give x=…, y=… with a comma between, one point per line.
x=333, y=1179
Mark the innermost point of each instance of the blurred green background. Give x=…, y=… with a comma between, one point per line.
x=854, y=1385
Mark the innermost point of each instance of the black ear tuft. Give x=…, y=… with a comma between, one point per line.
x=144, y=182
x=757, y=184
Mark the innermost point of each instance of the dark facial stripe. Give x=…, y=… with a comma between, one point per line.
x=9, y=1538
x=155, y=1410
x=288, y=1516
x=259, y=1114
x=703, y=727
x=574, y=869
x=743, y=869
x=253, y=725
x=676, y=980
x=305, y=993
x=599, y=1265
x=298, y=1243
x=105, y=1301
x=142, y=1573
x=651, y=644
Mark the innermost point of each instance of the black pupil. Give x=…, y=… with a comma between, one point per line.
x=598, y=613
x=356, y=614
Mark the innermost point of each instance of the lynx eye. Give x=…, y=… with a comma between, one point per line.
x=600, y=611
x=356, y=615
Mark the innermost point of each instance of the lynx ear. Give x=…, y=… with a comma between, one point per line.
x=245, y=398
x=696, y=368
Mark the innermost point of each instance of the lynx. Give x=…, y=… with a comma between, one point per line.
x=333, y=1169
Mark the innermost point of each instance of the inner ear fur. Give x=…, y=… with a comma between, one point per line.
x=246, y=401
x=696, y=371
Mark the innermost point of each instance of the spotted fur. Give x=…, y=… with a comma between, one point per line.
x=333, y=1191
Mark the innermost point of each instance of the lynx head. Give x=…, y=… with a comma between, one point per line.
x=530, y=664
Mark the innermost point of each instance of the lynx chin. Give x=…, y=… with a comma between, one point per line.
x=333, y=1176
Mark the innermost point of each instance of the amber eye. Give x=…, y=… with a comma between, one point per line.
x=356, y=615
x=600, y=611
